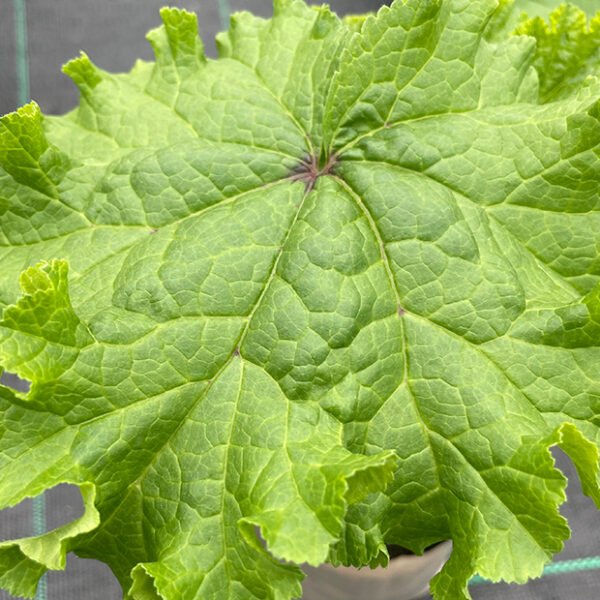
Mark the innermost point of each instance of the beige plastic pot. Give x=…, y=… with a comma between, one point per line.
x=406, y=578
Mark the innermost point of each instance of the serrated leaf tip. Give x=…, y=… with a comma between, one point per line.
x=23, y=125
x=22, y=143
x=44, y=309
x=44, y=276
x=144, y=585
x=84, y=74
x=177, y=40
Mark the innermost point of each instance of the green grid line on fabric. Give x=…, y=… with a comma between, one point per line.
x=38, y=506
x=38, y=518
x=224, y=12
x=576, y=565
x=21, y=52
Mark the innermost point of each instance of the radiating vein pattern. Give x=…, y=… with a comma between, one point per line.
x=337, y=289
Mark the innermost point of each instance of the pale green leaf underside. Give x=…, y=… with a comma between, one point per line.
x=339, y=287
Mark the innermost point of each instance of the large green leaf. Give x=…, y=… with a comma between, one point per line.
x=339, y=287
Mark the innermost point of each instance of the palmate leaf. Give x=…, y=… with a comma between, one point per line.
x=339, y=286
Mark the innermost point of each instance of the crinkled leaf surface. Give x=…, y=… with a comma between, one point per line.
x=567, y=41
x=340, y=286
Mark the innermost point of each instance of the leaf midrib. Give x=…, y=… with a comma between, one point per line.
x=228, y=361
x=423, y=423
x=551, y=272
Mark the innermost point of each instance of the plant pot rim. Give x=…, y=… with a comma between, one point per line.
x=406, y=578
x=406, y=563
